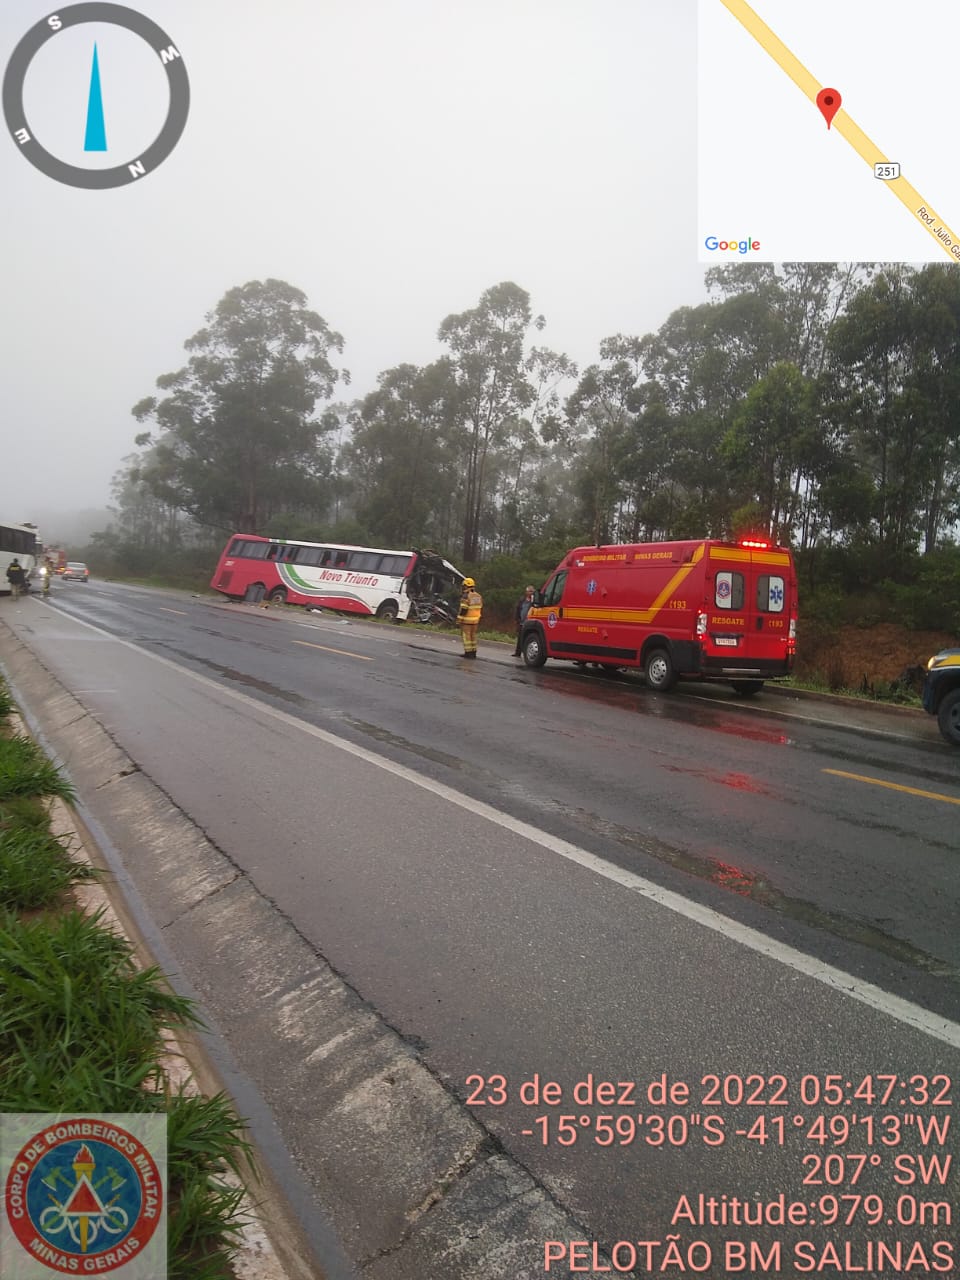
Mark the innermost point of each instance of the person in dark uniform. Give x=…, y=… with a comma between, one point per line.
x=520, y=616
x=16, y=576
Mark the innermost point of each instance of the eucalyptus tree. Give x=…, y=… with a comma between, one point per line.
x=601, y=414
x=403, y=456
x=876, y=400
x=772, y=446
x=801, y=299
x=934, y=380
x=236, y=438
x=141, y=519
x=504, y=387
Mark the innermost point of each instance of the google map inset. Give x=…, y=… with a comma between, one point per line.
x=823, y=131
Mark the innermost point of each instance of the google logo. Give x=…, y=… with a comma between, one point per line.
x=732, y=246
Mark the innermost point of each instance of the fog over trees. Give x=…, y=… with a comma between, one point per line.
x=814, y=403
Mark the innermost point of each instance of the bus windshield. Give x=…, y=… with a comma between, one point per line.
x=371, y=581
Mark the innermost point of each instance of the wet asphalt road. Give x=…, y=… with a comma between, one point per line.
x=495, y=960
x=730, y=802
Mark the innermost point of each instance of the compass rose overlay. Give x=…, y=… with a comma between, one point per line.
x=135, y=166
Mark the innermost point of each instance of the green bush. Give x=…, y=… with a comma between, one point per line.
x=26, y=771
x=35, y=869
x=80, y=1023
x=82, y=1027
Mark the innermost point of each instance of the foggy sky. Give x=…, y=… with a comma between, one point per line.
x=391, y=158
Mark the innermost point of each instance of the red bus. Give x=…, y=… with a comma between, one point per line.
x=702, y=608
x=371, y=581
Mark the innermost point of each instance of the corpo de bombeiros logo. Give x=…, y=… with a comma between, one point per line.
x=83, y=1195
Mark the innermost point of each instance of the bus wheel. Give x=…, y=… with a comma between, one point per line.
x=534, y=650
x=389, y=611
x=747, y=688
x=658, y=670
x=277, y=596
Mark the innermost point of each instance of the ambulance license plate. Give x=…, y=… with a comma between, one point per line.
x=730, y=641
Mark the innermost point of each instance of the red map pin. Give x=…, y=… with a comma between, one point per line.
x=829, y=100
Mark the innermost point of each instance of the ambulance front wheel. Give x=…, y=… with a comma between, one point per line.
x=658, y=670
x=534, y=649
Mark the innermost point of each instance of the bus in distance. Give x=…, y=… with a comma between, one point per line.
x=371, y=581
x=17, y=542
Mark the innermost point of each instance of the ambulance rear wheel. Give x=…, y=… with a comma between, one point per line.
x=534, y=649
x=658, y=670
x=747, y=688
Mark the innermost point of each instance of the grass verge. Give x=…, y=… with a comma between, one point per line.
x=82, y=1027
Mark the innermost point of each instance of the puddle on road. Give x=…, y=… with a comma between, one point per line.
x=712, y=870
x=404, y=744
x=747, y=884
x=615, y=692
x=736, y=781
x=238, y=677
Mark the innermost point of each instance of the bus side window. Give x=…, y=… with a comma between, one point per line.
x=273, y=552
x=364, y=561
x=341, y=560
x=394, y=566
x=250, y=550
x=290, y=553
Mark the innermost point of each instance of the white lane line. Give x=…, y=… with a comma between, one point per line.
x=163, y=609
x=844, y=984
x=344, y=653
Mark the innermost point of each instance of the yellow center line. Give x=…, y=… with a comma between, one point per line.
x=905, y=192
x=894, y=786
x=326, y=648
x=164, y=609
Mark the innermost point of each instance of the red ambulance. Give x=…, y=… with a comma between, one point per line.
x=705, y=608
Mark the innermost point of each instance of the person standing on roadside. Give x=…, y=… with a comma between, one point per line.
x=468, y=619
x=524, y=605
x=16, y=577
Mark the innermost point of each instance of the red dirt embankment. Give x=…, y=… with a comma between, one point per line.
x=848, y=656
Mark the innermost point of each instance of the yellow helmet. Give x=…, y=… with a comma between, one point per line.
x=469, y=582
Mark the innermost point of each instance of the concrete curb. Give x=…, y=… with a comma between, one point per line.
x=181, y=1063
x=841, y=700
x=375, y=1164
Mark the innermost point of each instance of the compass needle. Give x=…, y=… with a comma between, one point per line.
x=93, y=175
x=96, y=134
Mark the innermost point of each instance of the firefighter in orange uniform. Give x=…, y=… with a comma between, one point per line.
x=468, y=619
